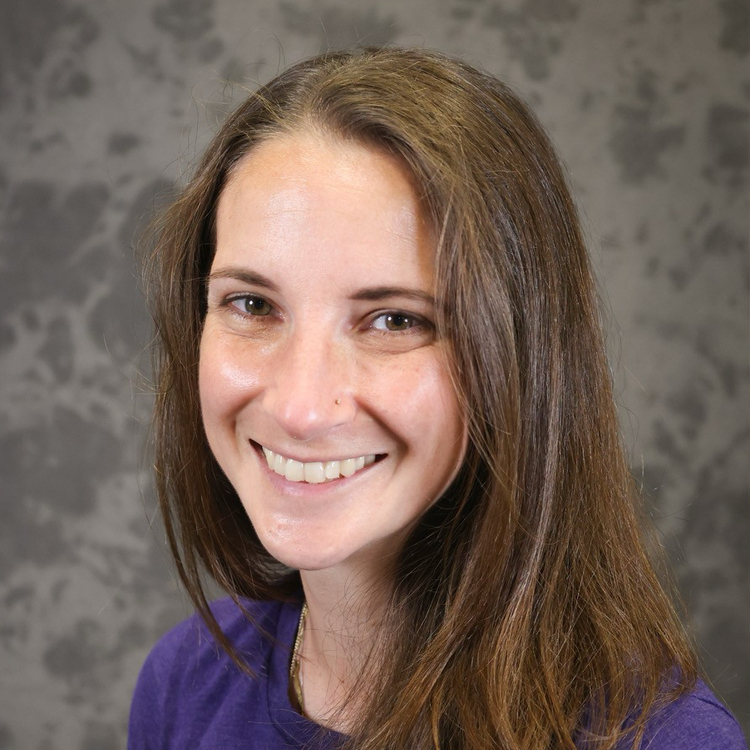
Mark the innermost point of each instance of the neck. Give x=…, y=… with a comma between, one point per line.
x=344, y=614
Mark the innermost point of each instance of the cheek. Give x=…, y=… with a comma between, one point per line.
x=227, y=376
x=444, y=434
x=421, y=401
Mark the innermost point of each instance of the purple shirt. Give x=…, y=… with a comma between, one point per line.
x=191, y=695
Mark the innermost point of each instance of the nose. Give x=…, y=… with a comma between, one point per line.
x=309, y=386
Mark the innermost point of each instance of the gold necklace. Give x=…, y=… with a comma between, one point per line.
x=294, y=670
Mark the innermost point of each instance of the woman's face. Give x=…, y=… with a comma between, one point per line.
x=325, y=392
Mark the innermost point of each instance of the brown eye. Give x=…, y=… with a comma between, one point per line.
x=395, y=322
x=252, y=305
x=398, y=322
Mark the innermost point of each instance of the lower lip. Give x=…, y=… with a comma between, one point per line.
x=308, y=489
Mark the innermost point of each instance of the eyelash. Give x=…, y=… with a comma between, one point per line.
x=419, y=323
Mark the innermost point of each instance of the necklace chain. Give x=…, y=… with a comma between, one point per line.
x=294, y=666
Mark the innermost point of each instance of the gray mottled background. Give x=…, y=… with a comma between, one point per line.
x=103, y=106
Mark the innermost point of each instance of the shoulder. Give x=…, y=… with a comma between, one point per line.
x=188, y=679
x=697, y=720
x=191, y=644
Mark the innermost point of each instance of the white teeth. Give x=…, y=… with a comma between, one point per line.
x=279, y=463
x=333, y=469
x=294, y=471
x=348, y=466
x=315, y=472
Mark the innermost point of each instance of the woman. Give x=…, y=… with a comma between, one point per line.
x=385, y=427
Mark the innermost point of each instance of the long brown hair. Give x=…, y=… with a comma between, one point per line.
x=526, y=611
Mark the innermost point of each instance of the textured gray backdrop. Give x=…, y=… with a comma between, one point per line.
x=103, y=106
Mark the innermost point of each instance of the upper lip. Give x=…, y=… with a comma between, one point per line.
x=315, y=459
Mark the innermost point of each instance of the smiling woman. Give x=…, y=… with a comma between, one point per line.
x=318, y=348
x=385, y=427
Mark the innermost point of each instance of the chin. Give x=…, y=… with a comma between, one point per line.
x=309, y=561
x=306, y=554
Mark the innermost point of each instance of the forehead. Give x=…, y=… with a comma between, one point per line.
x=302, y=197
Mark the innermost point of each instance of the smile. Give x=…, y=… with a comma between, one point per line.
x=315, y=472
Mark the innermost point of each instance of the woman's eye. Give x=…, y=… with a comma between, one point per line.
x=395, y=322
x=249, y=305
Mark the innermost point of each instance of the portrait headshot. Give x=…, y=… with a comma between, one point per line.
x=375, y=375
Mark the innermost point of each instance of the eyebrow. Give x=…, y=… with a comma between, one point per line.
x=248, y=277
x=368, y=294
x=377, y=293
